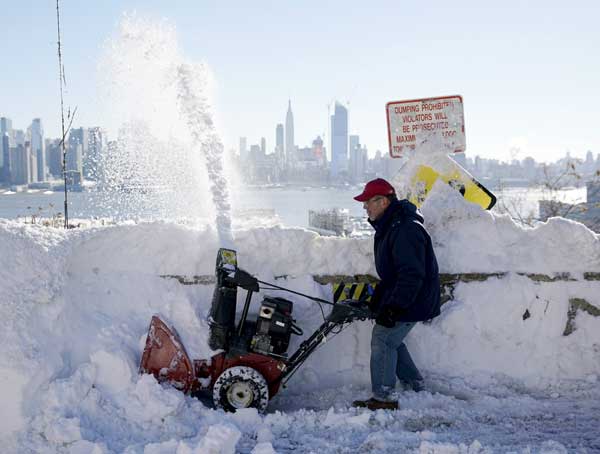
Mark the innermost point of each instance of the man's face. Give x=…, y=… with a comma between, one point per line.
x=375, y=206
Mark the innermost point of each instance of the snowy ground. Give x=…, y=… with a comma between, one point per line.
x=75, y=307
x=451, y=417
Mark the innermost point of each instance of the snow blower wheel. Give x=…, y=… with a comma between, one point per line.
x=241, y=387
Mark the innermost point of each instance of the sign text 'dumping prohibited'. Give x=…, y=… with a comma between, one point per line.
x=411, y=123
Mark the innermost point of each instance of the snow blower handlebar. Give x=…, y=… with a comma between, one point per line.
x=313, y=298
x=248, y=282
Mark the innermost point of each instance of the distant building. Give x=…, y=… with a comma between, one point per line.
x=5, y=130
x=290, y=147
x=319, y=151
x=243, y=149
x=5, y=125
x=260, y=168
x=358, y=159
x=18, y=137
x=54, y=157
x=335, y=221
x=339, y=141
x=23, y=164
x=78, y=148
x=353, y=142
x=6, y=164
x=38, y=148
x=358, y=164
x=33, y=163
x=279, y=147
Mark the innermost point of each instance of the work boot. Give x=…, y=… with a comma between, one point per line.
x=376, y=404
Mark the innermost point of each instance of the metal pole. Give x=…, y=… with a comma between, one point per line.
x=244, y=313
x=313, y=298
x=62, y=115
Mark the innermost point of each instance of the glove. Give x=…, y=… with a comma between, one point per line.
x=375, y=294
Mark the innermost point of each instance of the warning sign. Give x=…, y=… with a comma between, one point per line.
x=412, y=123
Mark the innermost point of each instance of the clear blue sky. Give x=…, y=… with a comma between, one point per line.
x=529, y=71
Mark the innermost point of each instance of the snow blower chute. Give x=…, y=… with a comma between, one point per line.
x=252, y=363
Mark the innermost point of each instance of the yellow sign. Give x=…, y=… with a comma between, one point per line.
x=473, y=191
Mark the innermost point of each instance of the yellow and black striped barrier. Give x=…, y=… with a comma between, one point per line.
x=353, y=291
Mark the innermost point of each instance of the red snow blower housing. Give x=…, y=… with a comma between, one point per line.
x=253, y=362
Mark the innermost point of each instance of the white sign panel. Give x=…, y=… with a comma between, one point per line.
x=411, y=123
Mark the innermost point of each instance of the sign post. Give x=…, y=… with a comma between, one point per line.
x=413, y=122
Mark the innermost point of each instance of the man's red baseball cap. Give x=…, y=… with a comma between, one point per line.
x=378, y=186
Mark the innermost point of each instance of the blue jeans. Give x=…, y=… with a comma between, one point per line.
x=390, y=359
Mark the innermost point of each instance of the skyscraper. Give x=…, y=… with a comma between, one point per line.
x=319, y=151
x=5, y=125
x=21, y=164
x=243, y=148
x=279, y=139
x=54, y=157
x=78, y=150
x=6, y=164
x=353, y=143
x=290, y=148
x=5, y=129
x=38, y=149
x=33, y=163
x=357, y=159
x=339, y=140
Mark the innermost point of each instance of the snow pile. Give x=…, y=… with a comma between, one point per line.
x=468, y=239
x=75, y=307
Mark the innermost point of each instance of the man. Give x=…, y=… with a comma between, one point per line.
x=409, y=290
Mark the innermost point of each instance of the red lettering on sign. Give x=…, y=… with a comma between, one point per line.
x=415, y=118
x=404, y=109
x=430, y=126
x=407, y=138
x=435, y=106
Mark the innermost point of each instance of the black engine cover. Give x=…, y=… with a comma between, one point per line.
x=273, y=326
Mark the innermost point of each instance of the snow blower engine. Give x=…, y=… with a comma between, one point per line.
x=251, y=363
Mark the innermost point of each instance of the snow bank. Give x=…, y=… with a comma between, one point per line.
x=468, y=239
x=75, y=307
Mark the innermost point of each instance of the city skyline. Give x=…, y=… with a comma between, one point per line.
x=28, y=159
x=529, y=87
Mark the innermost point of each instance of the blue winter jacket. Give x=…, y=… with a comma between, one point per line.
x=404, y=258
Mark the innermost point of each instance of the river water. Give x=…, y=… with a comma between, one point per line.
x=291, y=205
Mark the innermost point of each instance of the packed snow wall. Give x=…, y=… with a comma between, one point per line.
x=75, y=307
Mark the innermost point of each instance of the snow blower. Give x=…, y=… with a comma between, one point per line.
x=252, y=361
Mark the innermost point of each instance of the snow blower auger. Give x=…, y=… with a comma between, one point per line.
x=252, y=363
